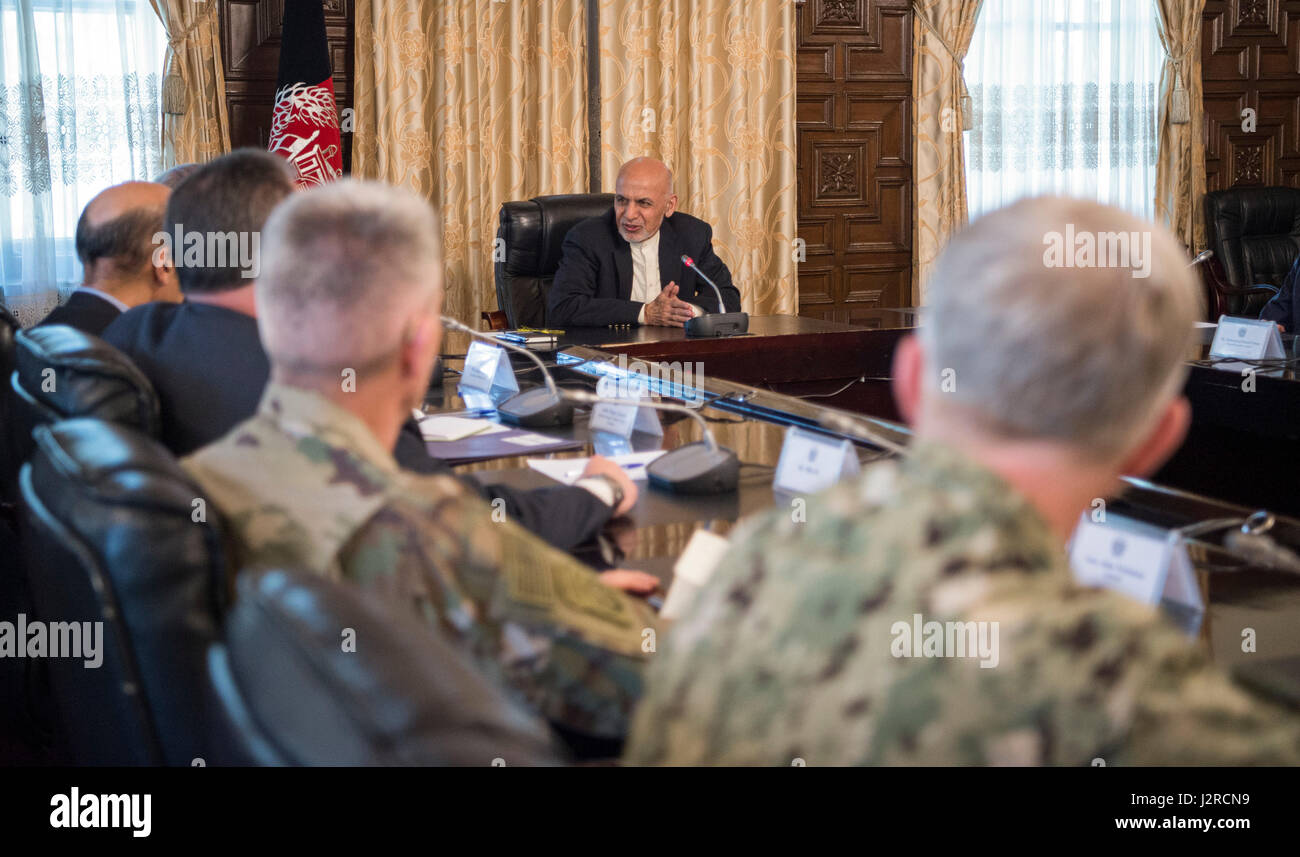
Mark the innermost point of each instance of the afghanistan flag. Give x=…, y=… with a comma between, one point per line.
x=305, y=124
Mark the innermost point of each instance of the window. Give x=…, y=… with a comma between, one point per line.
x=1065, y=100
x=79, y=111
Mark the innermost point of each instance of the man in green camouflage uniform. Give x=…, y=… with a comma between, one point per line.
x=802, y=649
x=348, y=302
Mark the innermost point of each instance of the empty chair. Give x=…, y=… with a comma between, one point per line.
x=314, y=672
x=118, y=534
x=1255, y=235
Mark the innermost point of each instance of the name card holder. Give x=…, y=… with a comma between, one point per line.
x=486, y=367
x=1247, y=339
x=622, y=420
x=812, y=462
x=1145, y=562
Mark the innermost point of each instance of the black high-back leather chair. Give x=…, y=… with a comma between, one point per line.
x=118, y=533
x=1255, y=235
x=62, y=373
x=296, y=693
x=533, y=232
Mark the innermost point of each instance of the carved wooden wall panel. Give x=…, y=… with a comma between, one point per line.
x=854, y=89
x=1250, y=52
x=250, y=51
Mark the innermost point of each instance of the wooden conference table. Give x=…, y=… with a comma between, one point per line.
x=793, y=371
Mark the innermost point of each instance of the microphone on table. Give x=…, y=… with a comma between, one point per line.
x=1203, y=256
x=540, y=407
x=720, y=323
x=701, y=467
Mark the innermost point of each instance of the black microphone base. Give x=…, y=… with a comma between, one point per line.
x=536, y=408
x=719, y=324
x=695, y=469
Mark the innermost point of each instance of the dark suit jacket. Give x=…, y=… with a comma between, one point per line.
x=1284, y=308
x=593, y=286
x=209, y=369
x=85, y=311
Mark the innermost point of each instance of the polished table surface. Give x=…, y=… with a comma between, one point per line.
x=840, y=365
x=753, y=419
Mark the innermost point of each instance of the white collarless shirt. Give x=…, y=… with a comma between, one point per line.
x=646, y=283
x=645, y=269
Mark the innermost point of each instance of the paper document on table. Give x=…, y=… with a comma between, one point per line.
x=568, y=470
x=445, y=429
x=530, y=440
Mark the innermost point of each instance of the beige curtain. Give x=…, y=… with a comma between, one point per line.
x=1180, y=171
x=195, y=125
x=708, y=87
x=941, y=35
x=472, y=104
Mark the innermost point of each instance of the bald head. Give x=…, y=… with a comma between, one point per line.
x=643, y=197
x=116, y=228
x=649, y=172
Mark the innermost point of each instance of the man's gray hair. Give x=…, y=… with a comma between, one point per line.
x=345, y=266
x=1048, y=340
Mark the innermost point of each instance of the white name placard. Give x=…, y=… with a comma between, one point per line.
x=487, y=366
x=622, y=420
x=1145, y=562
x=812, y=462
x=1246, y=339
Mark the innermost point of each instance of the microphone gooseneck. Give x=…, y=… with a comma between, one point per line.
x=699, y=468
x=585, y=398
x=690, y=263
x=535, y=408
x=509, y=346
x=720, y=323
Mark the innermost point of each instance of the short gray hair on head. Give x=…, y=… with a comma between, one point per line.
x=345, y=266
x=1087, y=355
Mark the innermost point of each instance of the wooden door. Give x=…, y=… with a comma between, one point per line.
x=854, y=143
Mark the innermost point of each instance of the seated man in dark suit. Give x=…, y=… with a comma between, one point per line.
x=625, y=267
x=208, y=366
x=203, y=356
x=115, y=245
x=1283, y=307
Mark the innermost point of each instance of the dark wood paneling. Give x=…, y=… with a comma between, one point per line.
x=854, y=121
x=250, y=52
x=1250, y=52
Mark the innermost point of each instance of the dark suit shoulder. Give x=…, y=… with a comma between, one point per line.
x=141, y=327
x=689, y=228
x=594, y=231
x=84, y=311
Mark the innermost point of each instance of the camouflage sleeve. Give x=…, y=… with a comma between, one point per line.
x=572, y=645
x=689, y=670
x=1088, y=677
x=1192, y=713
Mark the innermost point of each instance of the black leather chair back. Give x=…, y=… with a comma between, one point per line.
x=112, y=537
x=1255, y=235
x=61, y=373
x=533, y=232
x=9, y=328
x=296, y=692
